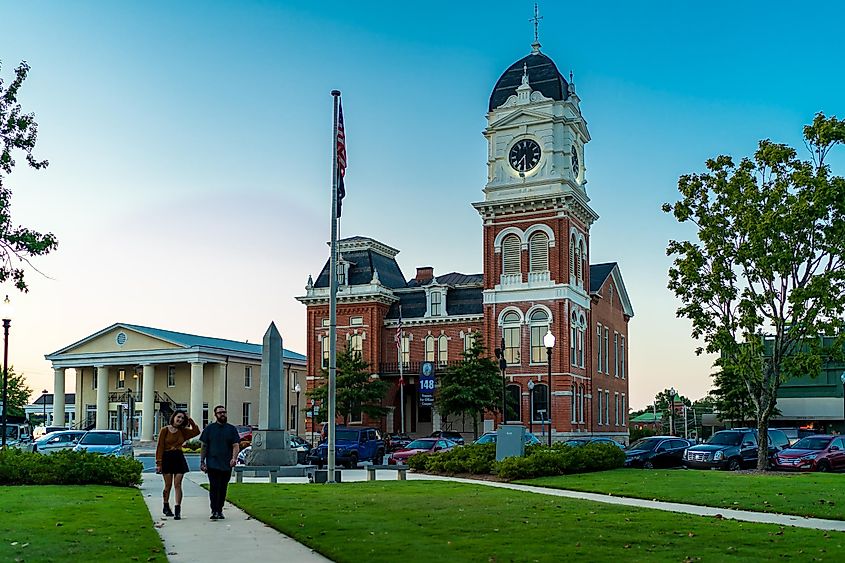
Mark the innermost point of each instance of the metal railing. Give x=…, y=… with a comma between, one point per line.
x=411, y=368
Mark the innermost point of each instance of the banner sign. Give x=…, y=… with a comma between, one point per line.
x=427, y=384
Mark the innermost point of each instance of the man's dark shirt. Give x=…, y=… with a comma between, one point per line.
x=219, y=439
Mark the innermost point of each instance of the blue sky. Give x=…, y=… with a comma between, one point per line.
x=189, y=146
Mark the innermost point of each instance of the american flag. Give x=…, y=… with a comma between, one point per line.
x=341, y=158
x=398, y=339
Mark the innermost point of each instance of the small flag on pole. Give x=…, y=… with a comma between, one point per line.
x=341, y=158
x=398, y=339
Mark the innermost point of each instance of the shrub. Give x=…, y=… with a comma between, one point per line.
x=193, y=445
x=474, y=458
x=67, y=468
x=561, y=460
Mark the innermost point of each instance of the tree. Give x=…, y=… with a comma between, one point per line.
x=356, y=389
x=18, y=131
x=472, y=386
x=18, y=393
x=765, y=280
x=731, y=398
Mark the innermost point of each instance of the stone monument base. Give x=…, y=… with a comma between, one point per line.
x=271, y=447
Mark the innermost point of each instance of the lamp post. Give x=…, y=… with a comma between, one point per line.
x=7, y=320
x=44, y=404
x=842, y=378
x=549, y=342
x=503, y=365
x=672, y=411
x=297, y=389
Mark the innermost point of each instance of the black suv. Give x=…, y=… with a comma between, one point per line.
x=732, y=449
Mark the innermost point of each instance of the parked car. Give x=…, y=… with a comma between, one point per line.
x=352, y=445
x=106, y=442
x=593, y=440
x=301, y=446
x=732, y=449
x=448, y=435
x=55, y=441
x=40, y=431
x=822, y=452
x=791, y=434
x=396, y=441
x=490, y=438
x=656, y=451
x=422, y=445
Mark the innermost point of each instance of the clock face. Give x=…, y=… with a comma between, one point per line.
x=524, y=155
x=575, y=167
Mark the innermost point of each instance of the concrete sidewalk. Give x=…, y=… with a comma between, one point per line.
x=237, y=538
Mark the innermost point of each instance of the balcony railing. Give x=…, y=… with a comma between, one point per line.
x=411, y=368
x=510, y=279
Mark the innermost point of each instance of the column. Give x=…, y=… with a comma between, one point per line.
x=148, y=403
x=195, y=406
x=79, y=407
x=59, y=396
x=102, y=397
x=219, y=391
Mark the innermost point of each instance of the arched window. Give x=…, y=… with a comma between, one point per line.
x=513, y=403
x=572, y=403
x=540, y=403
x=538, y=252
x=511, y=328
x=325, y=342
x=511, y=255
x=539, y=326
x=356, y=343
x=469, y=340
x=429, y=348
x=442, y=350
x=582, y=257
x=406, y=350
x=572, y=257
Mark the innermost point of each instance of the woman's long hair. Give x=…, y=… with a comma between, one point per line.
x=184, y=419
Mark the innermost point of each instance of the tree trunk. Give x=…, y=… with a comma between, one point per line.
x=763, y=443
x=475, y=426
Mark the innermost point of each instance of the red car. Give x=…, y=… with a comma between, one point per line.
x=821, y=452
x=422, y=445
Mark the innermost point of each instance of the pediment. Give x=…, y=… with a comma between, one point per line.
x=108, y=340
x=520, y=117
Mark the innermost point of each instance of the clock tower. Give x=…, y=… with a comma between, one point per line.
x=536, y=220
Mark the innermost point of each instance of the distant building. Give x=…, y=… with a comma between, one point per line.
x=42, y=408
x=132, y=378
x=648, y=421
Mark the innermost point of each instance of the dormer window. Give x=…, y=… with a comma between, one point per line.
x=342, y=271
x=436, y=301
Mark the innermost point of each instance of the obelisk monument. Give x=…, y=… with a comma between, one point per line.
x=271, y=442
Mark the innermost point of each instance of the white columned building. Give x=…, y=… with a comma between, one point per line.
x=132, y=378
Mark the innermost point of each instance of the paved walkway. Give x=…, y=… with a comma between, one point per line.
x=237, y=538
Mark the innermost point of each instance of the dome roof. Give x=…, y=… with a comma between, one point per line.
x=543, y=75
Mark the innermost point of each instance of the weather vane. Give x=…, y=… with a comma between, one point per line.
x=536, y=20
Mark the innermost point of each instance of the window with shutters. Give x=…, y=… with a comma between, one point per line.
x=442, y=350
x=429, y=348
x=538, y=252
x=511, y=250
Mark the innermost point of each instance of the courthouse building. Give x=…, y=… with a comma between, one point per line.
x=537, y=277
x=132, y=378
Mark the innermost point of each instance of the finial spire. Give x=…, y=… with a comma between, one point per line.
x=525, y=73
x=536, y=20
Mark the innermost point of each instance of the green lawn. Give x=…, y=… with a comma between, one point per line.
x=821, y=495
x=429, y=521
x=76, y=523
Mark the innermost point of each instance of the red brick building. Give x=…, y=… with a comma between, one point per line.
x=536, y=221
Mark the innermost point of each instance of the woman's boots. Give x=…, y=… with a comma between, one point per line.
x=166, y=510
x=178, y=515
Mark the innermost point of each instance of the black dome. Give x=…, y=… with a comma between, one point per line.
x=543, y=75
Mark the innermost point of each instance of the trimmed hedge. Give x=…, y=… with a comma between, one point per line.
x=538, y=461
x=67, y=467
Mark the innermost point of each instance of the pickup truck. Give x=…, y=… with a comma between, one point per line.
x=352, y=445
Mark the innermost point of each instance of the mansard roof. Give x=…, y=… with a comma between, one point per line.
x=459, y=302
x=452, y=278
x=361, y=266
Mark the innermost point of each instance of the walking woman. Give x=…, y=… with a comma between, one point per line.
x=170, y=461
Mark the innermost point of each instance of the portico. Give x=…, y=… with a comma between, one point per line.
x=132, y=378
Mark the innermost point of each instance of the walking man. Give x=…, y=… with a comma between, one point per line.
x=218, y=456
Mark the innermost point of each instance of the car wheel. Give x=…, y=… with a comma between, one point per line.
x=648, y=465
x=734, y=465
x=823, y=467
x=353, y=462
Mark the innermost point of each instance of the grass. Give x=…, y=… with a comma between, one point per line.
x=411, y=521
x=76, y=523
x=821, y=495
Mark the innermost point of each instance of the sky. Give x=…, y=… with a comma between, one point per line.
x=190, y=147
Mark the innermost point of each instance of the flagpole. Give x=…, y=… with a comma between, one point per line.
x=401, y=373
x=333, y=300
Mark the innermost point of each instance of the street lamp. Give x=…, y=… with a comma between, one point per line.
x=297, y=389
x=842, y=378
x=503, y=365
x=6, y=313
x=549, y=342
x=44, y=404
x=672, y=411
x=531, y=404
